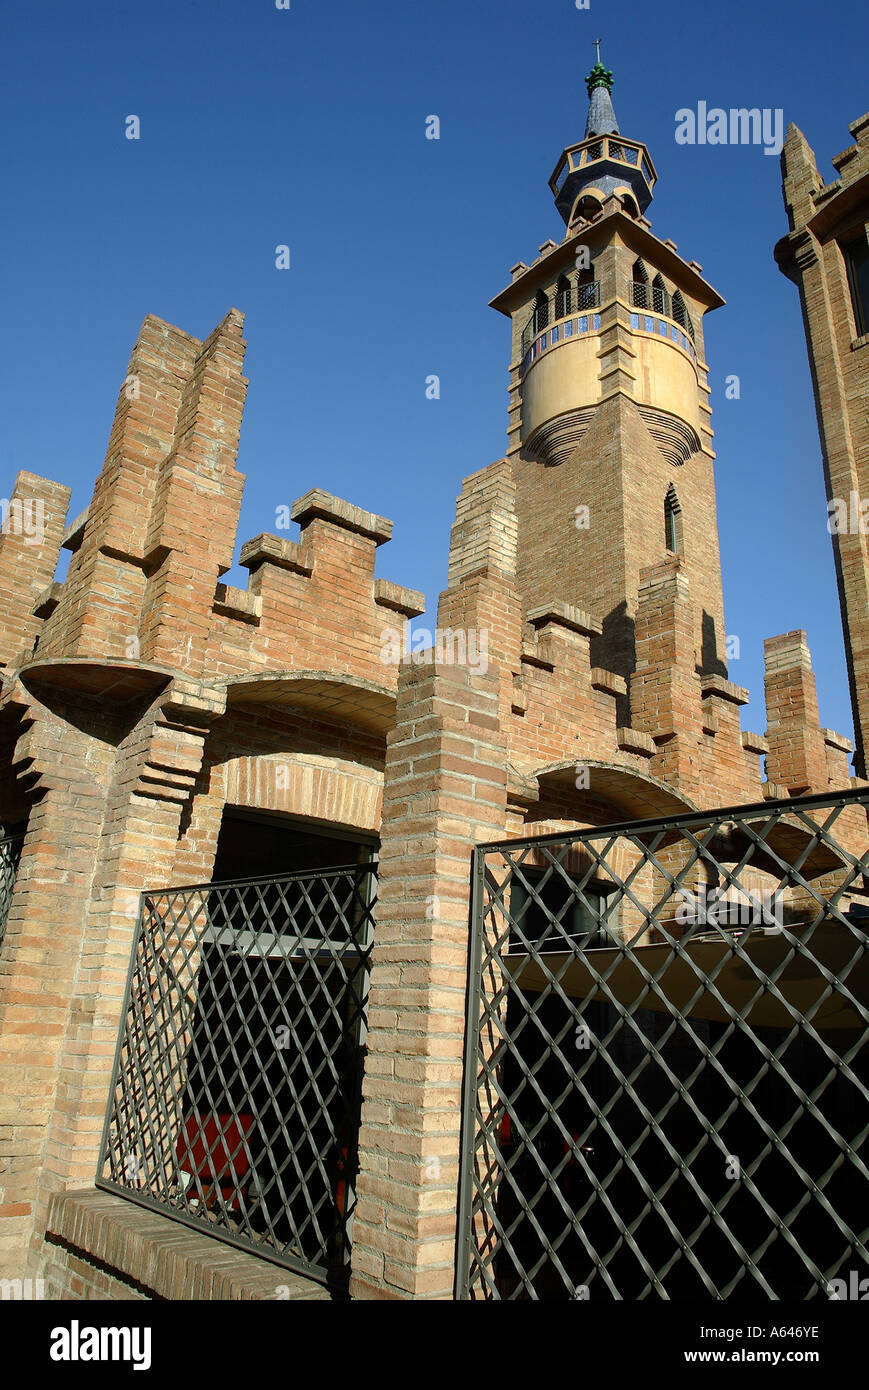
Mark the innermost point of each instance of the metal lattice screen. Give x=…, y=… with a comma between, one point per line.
x=666, y=1065
x=236, y=1092
x=10, y=854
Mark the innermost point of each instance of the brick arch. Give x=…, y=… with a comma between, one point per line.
x=306, y=785
x=631, y=793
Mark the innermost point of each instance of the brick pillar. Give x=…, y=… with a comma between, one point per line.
x=41, y=952
x=155, y=773
x=191, y=537
x=811, y=256
x=482, y=600
x=105, y=824
x=665, y=688
x=30, y=536
x=445, y=788
x=797, y=757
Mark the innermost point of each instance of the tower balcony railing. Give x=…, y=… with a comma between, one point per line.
x=656, y=300
x=615, y=147
x=10, y=854
x=576, y=299
x=652, y=297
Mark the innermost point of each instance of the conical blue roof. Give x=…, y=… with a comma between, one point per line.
x=601, y=116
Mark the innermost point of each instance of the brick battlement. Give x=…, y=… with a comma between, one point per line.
x=670, y=717
x=148, y=552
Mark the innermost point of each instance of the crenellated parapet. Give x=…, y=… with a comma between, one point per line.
x=673, y=719
x=144, y=587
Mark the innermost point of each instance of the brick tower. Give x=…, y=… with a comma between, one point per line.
x=826, y=254
x=609, y=400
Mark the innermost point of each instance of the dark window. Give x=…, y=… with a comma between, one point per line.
x=587, y=207
x=672, y=512
x=857, y=260
x=541, y=311
x=567, y=914
x=660, y=297
x=681, y=315
x=640, y=296
x=562, y=297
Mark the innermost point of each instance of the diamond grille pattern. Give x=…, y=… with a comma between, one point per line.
x=10, y=853
x=666, y=1065
x=235, y=1099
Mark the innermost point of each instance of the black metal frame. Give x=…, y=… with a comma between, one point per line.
x=10, y=855
x=603, y=1086
x=582, y=297
x=236, y=1086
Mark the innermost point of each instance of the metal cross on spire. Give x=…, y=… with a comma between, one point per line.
x=597, y=43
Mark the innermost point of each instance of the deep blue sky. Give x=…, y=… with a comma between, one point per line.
x=306, y=127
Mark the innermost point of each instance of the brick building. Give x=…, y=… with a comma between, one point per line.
x=160, y=728
x=826, y=254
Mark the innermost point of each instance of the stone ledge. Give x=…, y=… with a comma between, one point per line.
x=532, y=655
x=708, y=717
x=560, y=614
x=161, y=1258
x=838, y=741
x=238, y=603
x=266, y=549
x=318, y=503
x=608, y=682
x=775, y=791
x=724, y=689
x=857, y=128
x=634, y=741
x=409, y=602
x=518, y=699
x=74, y=533
x=754, y=743
x=48, y=600
x=196, y=699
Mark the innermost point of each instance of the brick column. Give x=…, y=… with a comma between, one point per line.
x=30, y=537
x=665, y=688
x=197, y=500
x=104, y=826
x=445, y=788
x=797, y=757
x=41, y=952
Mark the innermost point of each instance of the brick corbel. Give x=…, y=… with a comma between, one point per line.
x=176, y=747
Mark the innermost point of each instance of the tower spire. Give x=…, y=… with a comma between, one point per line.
x=599, y=84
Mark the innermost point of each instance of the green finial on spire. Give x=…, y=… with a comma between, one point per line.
x=599, y=75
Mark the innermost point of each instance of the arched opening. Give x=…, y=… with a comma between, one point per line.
x=630, y=204
x=563, y=297
x=681, y=315
x=587, y=295
x=672, y=522
x=541, y=311
x=586, y=208
x=856, y=254
x=660, y=297
x=640, y=297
